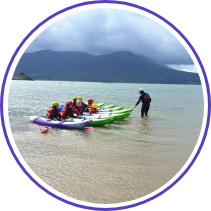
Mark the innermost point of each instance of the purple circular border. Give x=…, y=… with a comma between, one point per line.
x=130, y=5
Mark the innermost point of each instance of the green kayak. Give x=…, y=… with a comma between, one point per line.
x=118, y=108
x=117, y=111
x=118, y=117
x=102, y=109
x=107, y=120
x=102, y=121
x=109, y=106
x=100, y=104
x=125, y=110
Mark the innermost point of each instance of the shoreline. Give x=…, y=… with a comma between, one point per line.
x=105, y=82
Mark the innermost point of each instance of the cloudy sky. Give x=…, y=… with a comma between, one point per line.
x=103, y=31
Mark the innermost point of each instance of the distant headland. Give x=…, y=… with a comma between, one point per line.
x=21, y=76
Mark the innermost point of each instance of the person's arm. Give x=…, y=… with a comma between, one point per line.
x=76, y=111
x=64, y=111
x=85, y=106
x=59, y=114
x=50, y=111
x=138, y=101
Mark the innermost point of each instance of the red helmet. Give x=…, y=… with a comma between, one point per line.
x=90, y=101
x=68, y=104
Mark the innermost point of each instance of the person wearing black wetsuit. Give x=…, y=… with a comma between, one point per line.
x=145, y=99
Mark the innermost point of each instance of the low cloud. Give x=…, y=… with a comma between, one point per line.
x=103, y=31
x=186, y=68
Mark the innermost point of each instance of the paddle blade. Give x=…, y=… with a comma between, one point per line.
x=89, y=128
x=45, y=130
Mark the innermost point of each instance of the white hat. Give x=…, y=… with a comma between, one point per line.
x=141, y=89
x=79, y=102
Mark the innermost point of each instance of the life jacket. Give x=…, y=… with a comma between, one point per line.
x=70, y=112
x=53, y=112
x=92, y=110
x=67, y=112
x=146, y=98
x=78, y=109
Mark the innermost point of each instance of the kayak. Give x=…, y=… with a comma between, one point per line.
x=99, y=104
x=117, y=111
x=98, y=120
x=102, y=109
x=101, y=121
x=115, y=117
x=118, y=117
x=109, y=106
x=73, y=124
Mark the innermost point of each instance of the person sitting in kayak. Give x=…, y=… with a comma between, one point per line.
x=90, y=102
x=53, y=112
x=93, y=109
x=67, y=111
x=85, y=107
x=78, y=108
x=74, y=100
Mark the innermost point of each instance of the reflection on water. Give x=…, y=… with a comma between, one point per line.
x=144, y=126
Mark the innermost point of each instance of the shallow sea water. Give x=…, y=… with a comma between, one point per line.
x=122, y=161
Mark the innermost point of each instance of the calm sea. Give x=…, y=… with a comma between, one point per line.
x=120, y=162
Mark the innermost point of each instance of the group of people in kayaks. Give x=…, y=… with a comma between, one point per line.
x=72, y=109
x=76, y=107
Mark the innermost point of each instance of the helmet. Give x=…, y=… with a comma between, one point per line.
x=74, y=98
x=80, y=98
x=95, y=106
x=141, y=89
x=79, y=102
x=68, y=104
x=90, y=101
x=55, y=104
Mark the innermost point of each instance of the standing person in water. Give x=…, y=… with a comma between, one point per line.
x=145, y=99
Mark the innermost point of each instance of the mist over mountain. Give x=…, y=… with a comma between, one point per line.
x=122, y=66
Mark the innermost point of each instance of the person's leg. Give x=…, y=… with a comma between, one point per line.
x=147, y=109
x=142, y=110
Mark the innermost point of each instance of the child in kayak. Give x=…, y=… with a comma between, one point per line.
x=67, y=111
x=93, y=109
x=74, y=100
x=78, y=108
x=90, y=102
x=84, y=106
x=53, y=112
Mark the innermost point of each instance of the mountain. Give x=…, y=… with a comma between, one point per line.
x=121, y=66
